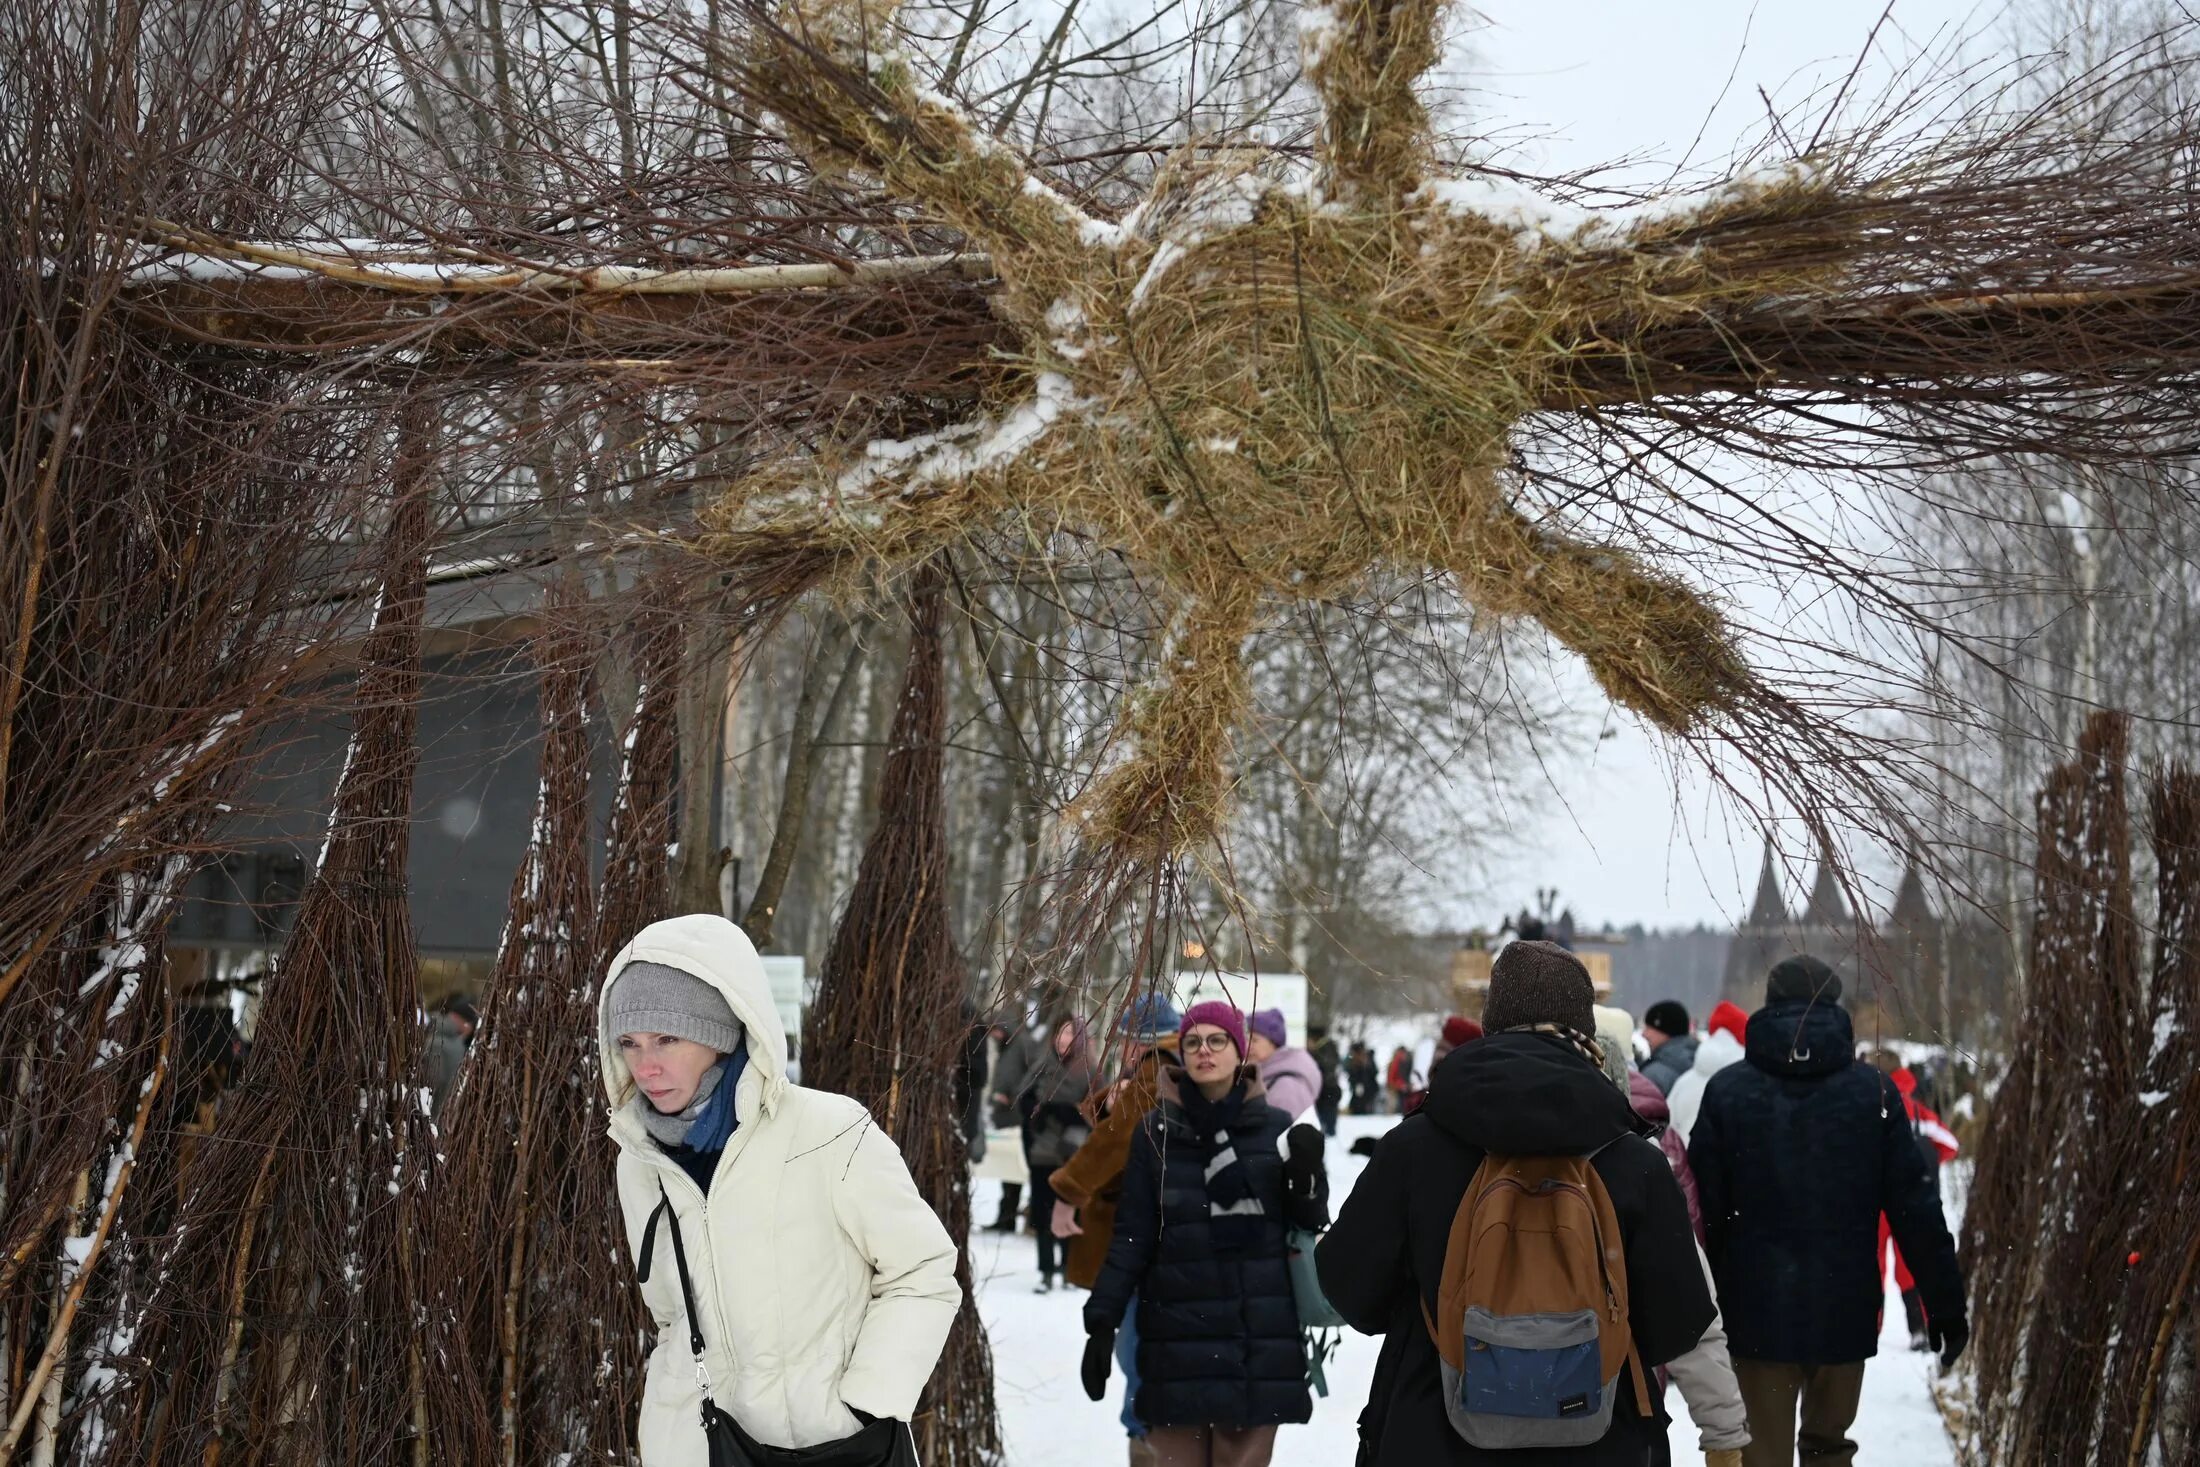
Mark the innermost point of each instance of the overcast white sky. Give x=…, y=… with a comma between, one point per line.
x=1584, y=82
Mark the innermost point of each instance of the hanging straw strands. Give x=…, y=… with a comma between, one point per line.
x=2097, y=1180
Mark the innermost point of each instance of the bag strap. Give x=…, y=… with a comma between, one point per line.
x=649, y=1239
x=680, y=1263
x=1635, y=1367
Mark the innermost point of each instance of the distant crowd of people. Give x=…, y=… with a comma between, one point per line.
x=1570, y=1217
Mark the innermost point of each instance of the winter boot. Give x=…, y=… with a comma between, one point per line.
x=1012, y=1196
x=1045, y=1284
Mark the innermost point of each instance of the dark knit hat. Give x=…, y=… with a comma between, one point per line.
x=1220, y=1015
x=1667, y=1017
x=654, y=998
x=1539, y=983
x=1801, y=979
x=1269, y=1025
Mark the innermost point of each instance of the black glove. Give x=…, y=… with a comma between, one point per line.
x=1948, y=1339
x=1099, y=1359
x=1305, y=1180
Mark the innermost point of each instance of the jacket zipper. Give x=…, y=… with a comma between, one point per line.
x=665, y=1164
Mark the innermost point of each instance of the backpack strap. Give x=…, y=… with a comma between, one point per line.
x=1635, y=1367
x=1642, y=1379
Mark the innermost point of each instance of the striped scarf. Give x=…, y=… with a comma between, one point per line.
x=1582, y=1044
x=1233, y=1211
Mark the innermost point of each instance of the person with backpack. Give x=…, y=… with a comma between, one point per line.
x=1200, y=1242
x=1797, y=1151
x=1500, y=1346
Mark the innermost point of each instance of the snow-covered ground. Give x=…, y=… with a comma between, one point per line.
x=1038, y=1339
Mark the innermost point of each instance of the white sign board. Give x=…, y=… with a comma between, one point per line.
x=790, y=992
x=1286, y=991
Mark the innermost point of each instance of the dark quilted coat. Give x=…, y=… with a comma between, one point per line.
x=1218, y=1333
x=1796, y=1152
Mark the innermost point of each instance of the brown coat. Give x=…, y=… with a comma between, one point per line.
x=1092, y=1180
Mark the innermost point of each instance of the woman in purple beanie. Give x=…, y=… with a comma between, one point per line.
x=1199, y=1240
x=1289, y=1074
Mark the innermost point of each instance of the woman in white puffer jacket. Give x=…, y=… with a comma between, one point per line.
x=824, y=1283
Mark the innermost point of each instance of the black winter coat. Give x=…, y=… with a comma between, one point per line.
x=1218, y=1332
x=1796, y=1153
x=1516, y=1095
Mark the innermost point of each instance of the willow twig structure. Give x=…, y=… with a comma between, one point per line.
x=536, y=1324
x=312, y=1193
x=888, y=1020
x=2094, y=1181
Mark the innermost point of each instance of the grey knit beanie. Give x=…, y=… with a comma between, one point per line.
x=1539, y=983
x=652, y=998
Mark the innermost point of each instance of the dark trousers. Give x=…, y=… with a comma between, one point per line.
x=1827, y=1395
x=1325, y=1108
x=1042, y=1222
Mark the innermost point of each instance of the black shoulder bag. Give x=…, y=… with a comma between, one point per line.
x=881, y=1442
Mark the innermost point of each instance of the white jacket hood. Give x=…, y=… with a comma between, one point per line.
x=719, y=953
x=1718, y=1050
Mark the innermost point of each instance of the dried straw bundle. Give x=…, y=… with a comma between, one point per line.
x=1268, y=384
x=890, y=1017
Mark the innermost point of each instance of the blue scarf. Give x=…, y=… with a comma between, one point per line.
x=716, y=1122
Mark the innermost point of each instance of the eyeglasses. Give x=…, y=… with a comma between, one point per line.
x=1213, y=1043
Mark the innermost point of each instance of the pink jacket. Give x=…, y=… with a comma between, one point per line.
x=1650, y=1104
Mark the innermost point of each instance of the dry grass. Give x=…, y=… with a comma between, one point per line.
x=1262, y=393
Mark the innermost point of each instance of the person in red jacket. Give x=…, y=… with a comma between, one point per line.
x=1398, y=1080
x=1939, y=1145
x=1456, y=1031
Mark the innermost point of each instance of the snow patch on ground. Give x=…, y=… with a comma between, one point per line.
x=1047, y=1422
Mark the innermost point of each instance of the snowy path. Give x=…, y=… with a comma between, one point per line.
x=1038, y=1338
